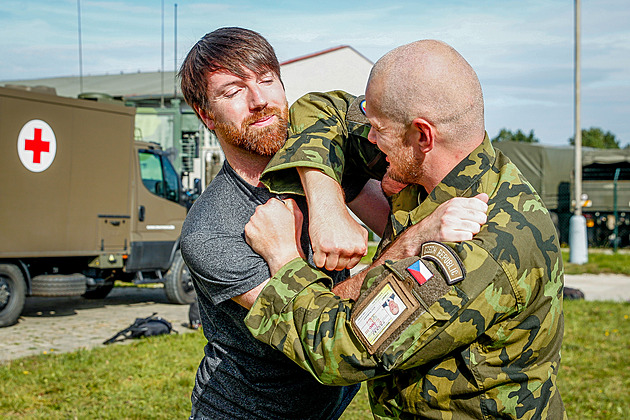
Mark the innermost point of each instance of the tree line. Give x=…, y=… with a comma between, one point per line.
x=592, y=137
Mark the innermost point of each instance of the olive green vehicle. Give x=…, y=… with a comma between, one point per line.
x=82, y=204
x=605, y=187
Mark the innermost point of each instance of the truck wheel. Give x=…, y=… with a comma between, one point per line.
x=12, y=294
x=178, y=282
x=58, y=285
x=100, y=292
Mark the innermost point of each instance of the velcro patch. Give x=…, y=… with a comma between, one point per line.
x=382, y=310
x=398, y=294
x=446, y=259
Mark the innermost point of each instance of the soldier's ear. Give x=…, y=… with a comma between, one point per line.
x=205, y=117
x=426, y=134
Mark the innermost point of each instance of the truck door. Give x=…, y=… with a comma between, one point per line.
x=158, y=215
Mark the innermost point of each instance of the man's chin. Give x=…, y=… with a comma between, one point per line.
x=391, y=185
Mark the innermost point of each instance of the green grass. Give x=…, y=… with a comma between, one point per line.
x=148, y=378
x=599, y=262
x=153, y=378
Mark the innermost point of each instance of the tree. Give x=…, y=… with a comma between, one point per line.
x=507, y=135
x=595, y=137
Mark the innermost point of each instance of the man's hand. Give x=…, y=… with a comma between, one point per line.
x=459, y=219
x=456, y=220
x=274, y=232
x=338, y=241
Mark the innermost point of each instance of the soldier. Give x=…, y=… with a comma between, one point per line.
x=231, y=78
x=479, y=324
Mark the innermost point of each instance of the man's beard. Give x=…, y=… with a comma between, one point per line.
x=408, y=168
x=263, y=141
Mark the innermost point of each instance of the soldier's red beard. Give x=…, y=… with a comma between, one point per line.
x=264, y=141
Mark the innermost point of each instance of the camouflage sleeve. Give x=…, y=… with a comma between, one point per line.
x=328, y=132
x=298, y=314
x=400, y=320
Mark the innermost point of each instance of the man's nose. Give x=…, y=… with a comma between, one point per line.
x=257, y=98
x=372, y=136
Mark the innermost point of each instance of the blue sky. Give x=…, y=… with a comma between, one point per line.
x=521, y=50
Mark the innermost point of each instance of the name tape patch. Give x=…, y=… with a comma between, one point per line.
x=449, y=263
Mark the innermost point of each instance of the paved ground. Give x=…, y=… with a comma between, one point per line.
x=67, y=324
x=601, y=286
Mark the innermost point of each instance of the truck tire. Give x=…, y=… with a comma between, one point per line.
x=58, y=285
x=12, y=294
x=100, y=292
x=178, y=282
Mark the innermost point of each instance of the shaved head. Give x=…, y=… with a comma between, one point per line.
x=430, y=80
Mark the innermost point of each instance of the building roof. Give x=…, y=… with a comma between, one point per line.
x=336, y=68
x=340, y=68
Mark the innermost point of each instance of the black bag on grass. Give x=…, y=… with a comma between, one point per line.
x=194, y=317
x=143, y=327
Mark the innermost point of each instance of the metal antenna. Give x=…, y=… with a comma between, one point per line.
x=80, y=49
x=175, y=55
x=162, y=68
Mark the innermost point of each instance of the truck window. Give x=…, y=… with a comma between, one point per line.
x=158, y=175
x=171, y=180
x=606, y=172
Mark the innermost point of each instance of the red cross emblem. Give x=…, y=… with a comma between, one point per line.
x=37, y=145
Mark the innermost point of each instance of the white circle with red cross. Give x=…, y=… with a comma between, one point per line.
x=37, y=145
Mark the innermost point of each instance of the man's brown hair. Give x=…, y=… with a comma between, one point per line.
x=232, y=49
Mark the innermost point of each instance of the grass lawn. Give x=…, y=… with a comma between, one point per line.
x=152, y=378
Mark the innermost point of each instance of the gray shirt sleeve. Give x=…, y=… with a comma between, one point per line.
x=224, y=264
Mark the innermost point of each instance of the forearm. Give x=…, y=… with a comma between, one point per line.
x=338, y=241
x=324, y=194
x=351, y=287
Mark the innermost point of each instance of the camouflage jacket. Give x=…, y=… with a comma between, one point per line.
x=475, y=328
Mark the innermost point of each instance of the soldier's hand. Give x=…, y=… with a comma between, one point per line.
x=459, y=219
x=456, y=220
x=274, y=232
x=338, y=241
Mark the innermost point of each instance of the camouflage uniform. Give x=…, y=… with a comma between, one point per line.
x=477, y=334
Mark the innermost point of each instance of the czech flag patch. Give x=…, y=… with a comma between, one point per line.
x=420, y=272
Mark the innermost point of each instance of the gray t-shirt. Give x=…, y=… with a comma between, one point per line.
x=240, y=377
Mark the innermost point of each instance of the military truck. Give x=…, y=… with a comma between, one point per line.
x=605, y=187
x=83, y=204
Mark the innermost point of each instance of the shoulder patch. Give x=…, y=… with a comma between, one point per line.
x=398, y=294
x=356, y=111
x=446, y=259
x=382, y=310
